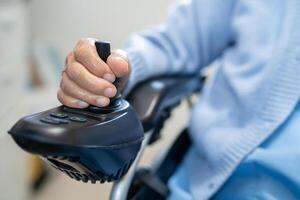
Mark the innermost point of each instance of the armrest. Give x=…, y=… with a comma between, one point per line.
x=153, y=96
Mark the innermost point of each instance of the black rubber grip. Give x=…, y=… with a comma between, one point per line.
x=103, y=49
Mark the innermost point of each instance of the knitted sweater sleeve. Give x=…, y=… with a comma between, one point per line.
x=194, y=33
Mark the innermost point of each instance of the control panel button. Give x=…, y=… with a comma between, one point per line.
x=63, y=121
x=59, y=115
x=50, y=120
x=78, y=119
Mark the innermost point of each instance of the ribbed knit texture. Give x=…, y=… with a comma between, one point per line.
x=211, y=165
x=281, y=98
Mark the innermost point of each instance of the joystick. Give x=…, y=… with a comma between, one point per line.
x=91, y=144
x=103, y=50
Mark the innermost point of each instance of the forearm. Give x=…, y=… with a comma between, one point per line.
x=194, y=34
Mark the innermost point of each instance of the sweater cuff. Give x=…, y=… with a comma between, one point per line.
x=138, y=71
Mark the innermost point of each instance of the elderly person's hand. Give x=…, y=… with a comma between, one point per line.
x=87, y=79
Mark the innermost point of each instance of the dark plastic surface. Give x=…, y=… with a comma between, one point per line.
x=103, y=49
x=153, y=96
x=141, y=190
x=87, y=144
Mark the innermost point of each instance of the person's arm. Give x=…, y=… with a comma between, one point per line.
x=194, y=34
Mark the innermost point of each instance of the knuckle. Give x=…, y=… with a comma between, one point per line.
x=82, y=41
x=65, y=100
x=69, y=58
x=60, y=96
x=83, y=45
x=80, y=50
x=63, y=84
x=73, y=71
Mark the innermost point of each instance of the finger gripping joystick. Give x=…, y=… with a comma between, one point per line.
x=93, y=144
x=104, y=50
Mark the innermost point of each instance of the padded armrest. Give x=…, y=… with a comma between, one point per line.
x=151, y=97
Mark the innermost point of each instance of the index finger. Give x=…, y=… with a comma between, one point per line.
x=85, y=53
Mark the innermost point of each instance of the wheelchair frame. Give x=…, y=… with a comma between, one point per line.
x=153, y=114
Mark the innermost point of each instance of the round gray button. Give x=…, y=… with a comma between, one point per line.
x=78, y=119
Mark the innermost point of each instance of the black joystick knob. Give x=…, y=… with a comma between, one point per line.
x=104, y=50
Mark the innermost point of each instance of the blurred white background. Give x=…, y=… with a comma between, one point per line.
x=35, y=36
x=60, y=23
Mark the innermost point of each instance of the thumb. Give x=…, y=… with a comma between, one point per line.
x=120, y=66
x=119, y=63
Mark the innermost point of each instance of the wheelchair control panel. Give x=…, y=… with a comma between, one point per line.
x=100, y=144
x=92, y=144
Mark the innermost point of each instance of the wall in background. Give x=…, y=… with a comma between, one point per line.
x=13, y=61
x=60, y=23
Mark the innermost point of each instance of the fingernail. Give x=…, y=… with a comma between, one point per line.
x=82, y=104
x=109, y=92
x=102, y=101
x=109, y=77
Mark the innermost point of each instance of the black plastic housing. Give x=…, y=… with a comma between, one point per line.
x=87, y=144
x=101, y=148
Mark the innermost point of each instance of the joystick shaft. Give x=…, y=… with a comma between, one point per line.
x=104, y=50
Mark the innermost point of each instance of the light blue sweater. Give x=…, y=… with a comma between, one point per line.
x=256, y=48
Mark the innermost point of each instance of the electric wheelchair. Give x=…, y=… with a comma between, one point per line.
x=106, y=144
x=153, y=101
